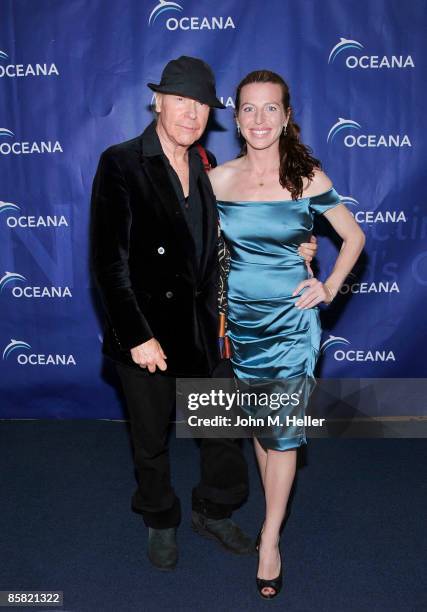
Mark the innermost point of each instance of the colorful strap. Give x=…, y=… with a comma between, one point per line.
x=206, y=163
x=223, y=340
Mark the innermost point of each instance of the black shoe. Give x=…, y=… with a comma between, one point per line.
x=225, y=532
x=275, y=583
x=162, y=548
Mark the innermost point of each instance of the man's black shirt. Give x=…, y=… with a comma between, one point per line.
x=192, y=205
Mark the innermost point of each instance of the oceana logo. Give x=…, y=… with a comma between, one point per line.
x=163, y=7
x=339, y=126
x=345, y=354
x=345, y=46
x=372, y=216
x=21, y=289
x=25, y=70
x=20, y=350
x=15, y=345
x=27, y=147
x=8, y=206
x=349, y=201
x=188, y=23
x=10, y=212
x=10, y=277
x=353, y=285
x=347, y=127
x=332, y=341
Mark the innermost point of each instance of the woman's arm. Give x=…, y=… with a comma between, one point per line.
x=353, y=241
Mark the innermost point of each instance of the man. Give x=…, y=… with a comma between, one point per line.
x=154, y=251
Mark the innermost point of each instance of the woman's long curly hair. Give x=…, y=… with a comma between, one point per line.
x=296, y=160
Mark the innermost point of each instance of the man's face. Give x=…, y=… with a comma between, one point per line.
x=182, y=120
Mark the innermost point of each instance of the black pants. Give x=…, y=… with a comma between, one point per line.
x=224, y=476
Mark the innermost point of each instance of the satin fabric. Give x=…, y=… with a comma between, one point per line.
x=271, y=338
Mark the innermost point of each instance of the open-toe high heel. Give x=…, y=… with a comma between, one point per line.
x=275, y=583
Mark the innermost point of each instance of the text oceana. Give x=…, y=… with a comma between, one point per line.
x=33, y=221
x=200, y=23
x=41, y=292
x=29, y=148
x=42, y=359
x=376, y=61
x=26, y=70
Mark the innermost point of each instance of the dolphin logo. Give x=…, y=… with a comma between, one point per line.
x=342, y=124
x=342, y=46
x=13, y=345
x=331, y=341
x=3, y=55
x=164, y=5
x=349, y=201
x=6, y=206
x=9, y=277
x=6, y=133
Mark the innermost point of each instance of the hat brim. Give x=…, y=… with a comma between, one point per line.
x=213, y=102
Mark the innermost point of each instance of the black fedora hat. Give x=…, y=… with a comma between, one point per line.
x=189, y=77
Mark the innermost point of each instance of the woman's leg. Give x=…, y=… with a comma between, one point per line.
x=261, y=456
x=279, y=473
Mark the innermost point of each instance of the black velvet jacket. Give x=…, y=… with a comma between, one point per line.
x=143, y=258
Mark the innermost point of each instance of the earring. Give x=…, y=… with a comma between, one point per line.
x=285, y=129
x=238, y=129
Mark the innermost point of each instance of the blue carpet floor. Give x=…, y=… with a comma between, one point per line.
x=355, y=540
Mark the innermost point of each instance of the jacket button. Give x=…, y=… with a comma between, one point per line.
x=169, y=294
x=160, y=250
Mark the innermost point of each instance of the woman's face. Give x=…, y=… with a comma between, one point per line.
x=261, y=115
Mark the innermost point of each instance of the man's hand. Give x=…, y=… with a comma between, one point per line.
x=149, y=355
x=308, y=250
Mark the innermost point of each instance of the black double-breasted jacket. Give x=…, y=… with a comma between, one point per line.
x=145, y=265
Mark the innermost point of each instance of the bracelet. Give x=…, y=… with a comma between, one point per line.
x=329, y=290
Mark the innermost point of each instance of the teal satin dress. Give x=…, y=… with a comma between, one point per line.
x=270, y=337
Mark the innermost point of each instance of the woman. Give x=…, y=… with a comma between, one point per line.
x=267, y=199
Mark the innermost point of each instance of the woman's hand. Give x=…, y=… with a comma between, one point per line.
x=317, y=292
x=308, y=250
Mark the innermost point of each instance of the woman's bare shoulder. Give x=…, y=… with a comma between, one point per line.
x=222, y=176
x=318, y=184
x=226, y=168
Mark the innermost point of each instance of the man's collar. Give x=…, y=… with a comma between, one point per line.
x=150, y=141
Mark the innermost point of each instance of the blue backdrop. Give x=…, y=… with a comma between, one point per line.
x=73, y=80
